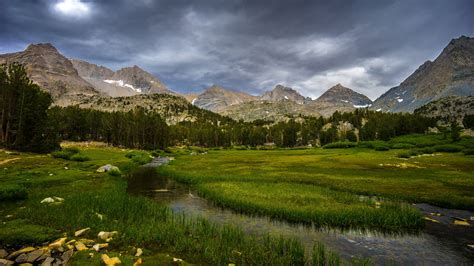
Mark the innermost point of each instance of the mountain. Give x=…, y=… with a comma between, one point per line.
x=338, y=98
x=138, y=80
x=217, y=98
x=451, y=73
x=267, y=110
x=173, y=109
x=281, y=93
x=97, y=77
x=52, y=71
x=448, y=108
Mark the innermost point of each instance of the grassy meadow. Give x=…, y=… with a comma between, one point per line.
x=100, y=201
x=363, y=186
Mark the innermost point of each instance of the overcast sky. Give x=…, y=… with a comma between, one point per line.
x=369, y=46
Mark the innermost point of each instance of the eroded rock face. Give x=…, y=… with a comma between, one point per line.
x=51, y=70
x=217, y=98
x=452, y=73
x=281, y=93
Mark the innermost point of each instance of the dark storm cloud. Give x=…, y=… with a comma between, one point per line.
x=369, y=46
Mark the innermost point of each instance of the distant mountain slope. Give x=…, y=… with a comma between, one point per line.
x=51, y=70
x=338, y=98
x=267, y=110
x=127, y=81
x=173, y=109
x=451, y=107
x=281, y=93
x=452, y=73
x=217, y=98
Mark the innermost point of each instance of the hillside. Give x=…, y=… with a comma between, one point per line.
x=217, y=98
x=450, y=108
x=452, y=73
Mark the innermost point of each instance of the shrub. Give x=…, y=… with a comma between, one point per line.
x=340, y=145
x=115, y=172
x=61, y=155
x=138, y=157
x=402, y=146
x=427, y=150
x=71, y=150
x=13, y=192
x=468, y=152
x=404, y=155
x=80, y=158
x=447, y=148
x=371, y=144
x=381, y=148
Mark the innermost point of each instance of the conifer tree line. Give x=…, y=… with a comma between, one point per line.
x=29, y=123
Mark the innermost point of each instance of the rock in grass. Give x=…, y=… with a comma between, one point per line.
x=459, y=222
x=3, y=253
x=58, y=243
x=4, y=262
x=15, y=254
x=80, y=246
x=67, y=256
x=35, y=255
x=48, y=261
x=47, y=200
x=98, y=247
x=139, y=252
x=107, y=236
x=107, y=168
x=81, y=232
x=138, y=262
x=110, y=261
x=22, y=258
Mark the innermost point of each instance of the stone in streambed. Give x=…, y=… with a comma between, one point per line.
x=22, y=258
x=15, y=254
x=58, y=244
x=35, y=255
x=67, y=256
x=48, y=261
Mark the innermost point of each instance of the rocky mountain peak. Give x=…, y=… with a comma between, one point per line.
x=41, y=48
x=282, y=93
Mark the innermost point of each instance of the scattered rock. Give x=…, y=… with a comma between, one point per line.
x=25, y=264
x=15, y=254
x=110, y=261
x=81, y=232
x=139, y=252
x=48, y=261
x=98, y=247
x=67, y=256
x=3, y=253
x=177, y=260
x=431, y=220
x=87, y=242
x=100, y=216
x=35, y=255
x=53, y=200
x=459, y=222
x=138, y=262
x=107, y=236
x=107, y=168
x=4, y=262
x=22, y=258
x=80, y=246
x=58, y=244
x=471, y=246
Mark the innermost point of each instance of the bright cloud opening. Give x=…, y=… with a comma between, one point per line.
x=72, y=8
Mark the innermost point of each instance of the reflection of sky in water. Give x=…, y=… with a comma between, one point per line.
x=413, y=249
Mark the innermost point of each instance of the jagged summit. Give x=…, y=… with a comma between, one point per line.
x=282, y=93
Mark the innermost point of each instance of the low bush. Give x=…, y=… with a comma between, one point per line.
x=71, y=150
x=115, y=172
x=447, y=148
x=65, y=153
x=371, y=144
x=12, y=192
x=427, y=150
x=381, y=147
x=139, y=157
x=340, y=145
x=468, y=152
x=404, y=155
x=402, y=146
x=80, y=158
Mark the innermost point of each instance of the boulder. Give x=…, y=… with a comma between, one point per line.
x=107, y=168
x=33, y=256
x=98, y=247
x=67, y=256
x=139, y=252
x=80, y=246
x=22, y=258
x=138, y=262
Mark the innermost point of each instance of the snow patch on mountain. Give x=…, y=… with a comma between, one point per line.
x=122, y=84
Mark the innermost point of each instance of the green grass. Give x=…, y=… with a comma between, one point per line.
x=140, y=221
x=12, y=192
x=324, y=185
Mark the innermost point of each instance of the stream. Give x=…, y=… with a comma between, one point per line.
x=437, y=244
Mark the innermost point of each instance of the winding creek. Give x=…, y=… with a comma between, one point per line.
x=438, y=244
